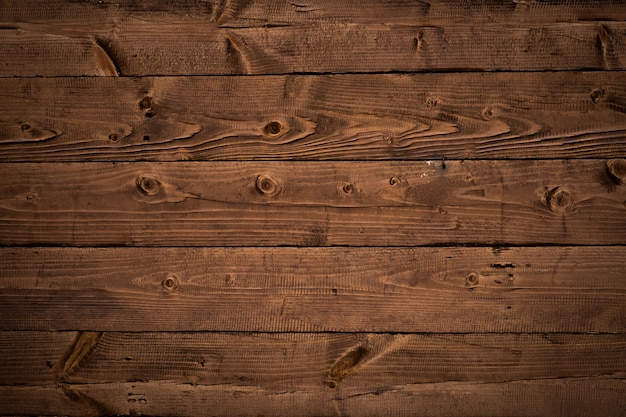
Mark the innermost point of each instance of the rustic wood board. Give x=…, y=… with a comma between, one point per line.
x=553, y=289
x=340, y=117
x=567, y=397
x=304, y=361
x=314, y=203
x=191, y=38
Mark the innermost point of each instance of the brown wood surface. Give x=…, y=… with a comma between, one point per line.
x=339, y=117
x=314, y=203
x=320, y=208
x=571, y=289
x=50, y=38
x=567, y=397
x=304, y=361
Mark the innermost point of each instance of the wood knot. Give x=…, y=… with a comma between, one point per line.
x=145, y=103
x=471, y=280
x=148, y=185
x=170, y=283
x=25, y=127
x=273, y=129
x=559, y=200
x=267, y=185
x=346, y=365
x=431, y=102
x=597, y=94
x=113, y=137
x=348, y=188
x=616, y=170
x=488, y=113
x=394, y=181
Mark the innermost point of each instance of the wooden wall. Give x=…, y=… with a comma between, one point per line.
x=313, y=208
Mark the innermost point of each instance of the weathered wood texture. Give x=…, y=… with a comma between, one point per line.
x=573, y=289
x=582, y=397
x=340, y=117
x=133, y=38
x=305, y=361
x=320, y=208
x=314, y=203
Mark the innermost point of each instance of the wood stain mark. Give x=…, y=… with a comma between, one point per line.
x=86, y=342
x=346, y=365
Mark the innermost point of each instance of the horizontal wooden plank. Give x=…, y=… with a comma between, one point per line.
x=305, y=361
x=342, y=117
x=553, y=289
x=187, y=37
x=262, y=13
x=558, y=398
x=314, y=203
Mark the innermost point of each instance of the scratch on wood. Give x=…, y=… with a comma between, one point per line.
x=104, y=61
x=84, y=345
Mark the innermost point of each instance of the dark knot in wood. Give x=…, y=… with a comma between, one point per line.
x=145, y=103
x=616, y=168
x=148, y=185
x=267, y=185
x=471, y=280
x=170, y=283
x=273, y=128
x=597, y=94
x=559, y=200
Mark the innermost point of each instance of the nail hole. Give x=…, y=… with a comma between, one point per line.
x=332, y=384
x=272, y=128
x=25, y=127
x=335, y=291
x=146, y=138
x=149, y=114
x=509, y=307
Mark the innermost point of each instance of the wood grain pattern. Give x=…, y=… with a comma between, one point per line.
x=341, y=117
x=572, y=289
x=259, y=37
x=314, y=203
x=304, y=361
x=560, y=398
x=322, y=208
